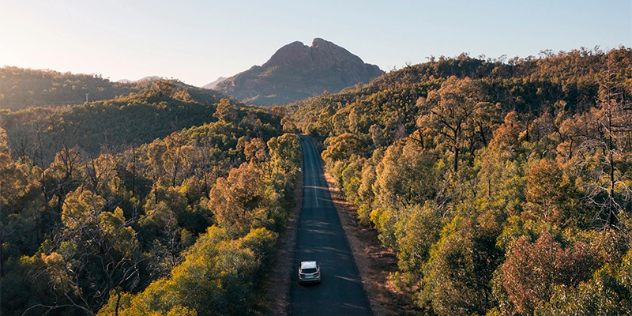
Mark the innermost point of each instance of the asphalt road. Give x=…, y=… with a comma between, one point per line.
x=320, y=237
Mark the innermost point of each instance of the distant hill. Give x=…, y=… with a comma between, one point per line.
x=214, y=83
x=143, y=79
x=297, y=71
x=530, y=86
x=150, y=78
x=157, y=111
x=22, y=88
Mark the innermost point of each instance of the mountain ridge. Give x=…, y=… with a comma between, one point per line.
x=297, y=71
x=212, y=85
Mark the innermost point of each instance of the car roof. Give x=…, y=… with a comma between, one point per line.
x=308, y=264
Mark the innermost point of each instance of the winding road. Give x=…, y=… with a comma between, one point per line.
x=321, y=237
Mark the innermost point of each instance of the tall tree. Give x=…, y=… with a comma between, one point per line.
x=615, y=124
x=532, y=270
x=239, y=201
x=93, y=256
x=225, y=111
x=453, y=113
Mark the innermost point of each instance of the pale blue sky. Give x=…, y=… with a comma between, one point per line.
x=198, y=41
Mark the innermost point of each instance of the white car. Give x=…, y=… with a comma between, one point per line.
x=309, y=272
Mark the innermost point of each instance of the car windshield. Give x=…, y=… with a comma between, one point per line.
x=312, y=270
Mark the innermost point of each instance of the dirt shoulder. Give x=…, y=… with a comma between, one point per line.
x=374, y=262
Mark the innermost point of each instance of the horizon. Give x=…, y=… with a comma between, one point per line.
x=200, y=42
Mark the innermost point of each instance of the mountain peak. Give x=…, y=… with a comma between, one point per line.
x=294, y=54
x=321, y=42
x=318, y=40
x=297, y=71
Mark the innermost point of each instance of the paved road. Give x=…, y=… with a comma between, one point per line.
x=321, y=238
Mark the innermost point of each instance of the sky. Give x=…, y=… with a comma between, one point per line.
x=199, y=41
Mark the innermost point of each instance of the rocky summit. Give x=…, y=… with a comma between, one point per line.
x=297, y=71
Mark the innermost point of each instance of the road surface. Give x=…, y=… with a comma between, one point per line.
x=320, y=237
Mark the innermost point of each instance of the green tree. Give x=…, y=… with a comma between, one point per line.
x=453, y=113
x=406, y=176
x=4, y=148
x=550, y=195
x=101, y=176
x=62, y=176
x=501, y=177
x=532, y=270
x=177, y=158
x=94, y=255
x=365, y=193
x=255, y=151
x=225, y=111
x=285, y=152
x=341, y=148
x=456, y=277
x=416, y=234
x=609, y=292
x=17, y=206
x=239, y=201
x=162, y=88
x=217, y=277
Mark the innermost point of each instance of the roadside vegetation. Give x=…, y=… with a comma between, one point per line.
x=181, y=225
x=504, y=186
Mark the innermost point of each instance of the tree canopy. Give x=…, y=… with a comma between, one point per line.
x=503, y=186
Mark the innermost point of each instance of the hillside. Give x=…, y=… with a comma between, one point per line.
x=506, y=181
x=25, y=88
x=196, y=211
x=110, y=125
x=297, y=71
x=214, y=83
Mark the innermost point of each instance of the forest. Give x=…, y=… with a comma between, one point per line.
x=504, y=186
x=25, y=88
x=161, y=108
x=179, y=216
